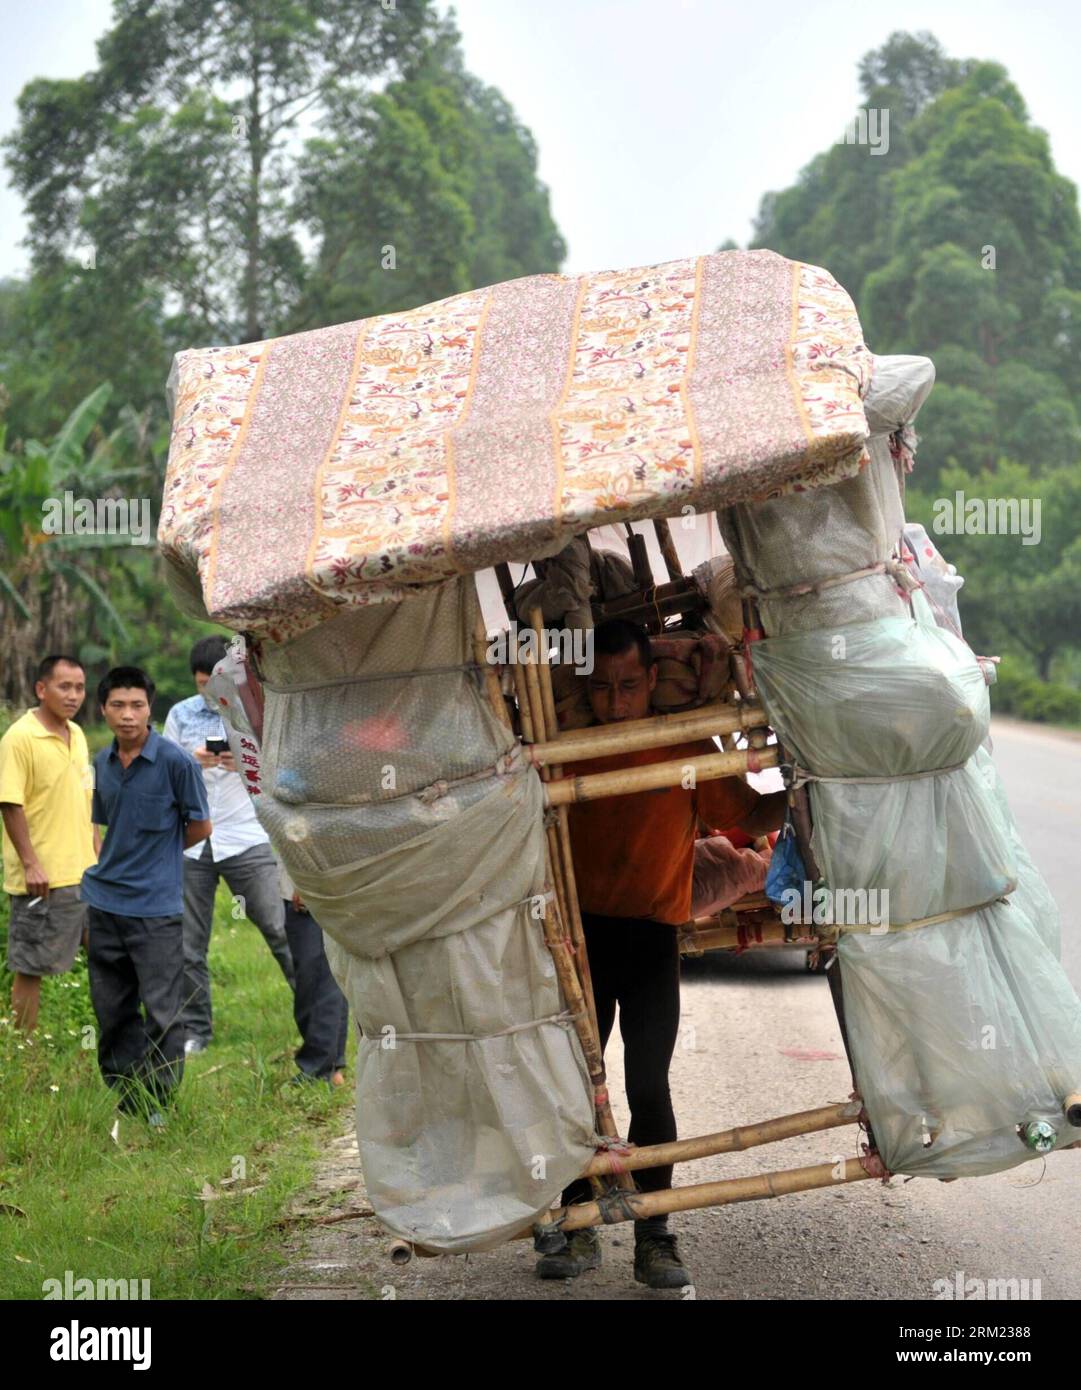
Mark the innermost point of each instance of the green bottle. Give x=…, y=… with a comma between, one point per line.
x=1038, y=1136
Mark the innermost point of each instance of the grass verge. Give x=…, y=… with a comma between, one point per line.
x=196, y=1208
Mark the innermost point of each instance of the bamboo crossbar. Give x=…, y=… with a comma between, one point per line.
x=733, y=936
x=677, y=590
x=726, y=1140
x=659, y=731
x=707, y=767
x=636, y=1206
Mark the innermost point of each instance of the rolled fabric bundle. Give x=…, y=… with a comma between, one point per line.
x=724, y=874
x=691, y=671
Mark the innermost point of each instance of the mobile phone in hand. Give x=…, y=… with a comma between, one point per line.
x=217, y=745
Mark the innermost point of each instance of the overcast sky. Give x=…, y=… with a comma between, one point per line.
x=660, y=123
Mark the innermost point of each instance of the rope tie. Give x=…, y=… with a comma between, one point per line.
x=882, y=928
x=796, y=776
x=614, y=1207
x=565, y=1017
x=505, y=764
x=894, y=568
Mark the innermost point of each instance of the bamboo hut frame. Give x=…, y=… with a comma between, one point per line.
x=752, y=922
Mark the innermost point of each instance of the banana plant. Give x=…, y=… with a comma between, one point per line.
x=37, y=567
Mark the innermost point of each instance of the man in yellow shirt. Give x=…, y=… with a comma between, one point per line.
x=48, y=839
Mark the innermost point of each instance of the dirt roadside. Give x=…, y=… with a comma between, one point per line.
x=758, y=1038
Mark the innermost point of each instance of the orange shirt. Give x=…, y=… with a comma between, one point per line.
x=634, y=854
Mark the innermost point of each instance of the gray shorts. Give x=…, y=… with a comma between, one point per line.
x=44, y=939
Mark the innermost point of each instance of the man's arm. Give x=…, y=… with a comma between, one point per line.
x=18, y=830
x=767, y=814
x=191, y=797
x=196, y=831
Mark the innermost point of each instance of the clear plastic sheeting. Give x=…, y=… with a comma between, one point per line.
x=874, y=699
x=890, y=700
x=962, y=1031
x=414, y=832
x=835, y=530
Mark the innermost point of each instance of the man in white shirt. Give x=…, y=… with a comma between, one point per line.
x=238, y=850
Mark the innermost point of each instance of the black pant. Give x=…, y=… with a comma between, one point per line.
x=319, y=1006
x=133, y=961
x=635, y=964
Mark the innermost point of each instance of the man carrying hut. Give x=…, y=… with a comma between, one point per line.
x=633, y=861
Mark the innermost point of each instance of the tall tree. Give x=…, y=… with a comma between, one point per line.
x=427, y=188
x=170, y=165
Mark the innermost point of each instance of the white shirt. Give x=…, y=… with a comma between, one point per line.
x=236, y=826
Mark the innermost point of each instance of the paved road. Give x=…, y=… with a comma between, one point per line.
x=741, y=1021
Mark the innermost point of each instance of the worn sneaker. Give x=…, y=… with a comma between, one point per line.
x=194, y=1046
x=583, y=1252
x=656, y=1262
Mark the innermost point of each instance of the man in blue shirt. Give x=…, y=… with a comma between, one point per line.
x=150, y=795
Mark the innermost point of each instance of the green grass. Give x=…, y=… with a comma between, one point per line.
x=73, y=1198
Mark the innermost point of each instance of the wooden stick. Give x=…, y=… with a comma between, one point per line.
x=725, y=937
x=560, y=841
x=533, y=697
x=1071, y=1108
x=542, y=703
x=544, y=673
x=679, y=589
x=491, y=681
x=707, y=768
x=506, y=588
x=524, y=713
x=638, y=1205
x=727, y=1140
x=663, y=530
x=659, y=731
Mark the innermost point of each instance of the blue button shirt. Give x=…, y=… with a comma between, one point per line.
x=146, y=807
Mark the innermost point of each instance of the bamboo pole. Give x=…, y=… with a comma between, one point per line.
x=1071, y=1108
x=492, y=686
x=559, y=835
x=707, y=767
x=658, y=731
x=548, y=704
x=636, y=1206
x=727, y=1140
x=524, y=713
x=560, y=863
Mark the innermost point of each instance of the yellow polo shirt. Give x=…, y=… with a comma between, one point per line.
x=52, y=781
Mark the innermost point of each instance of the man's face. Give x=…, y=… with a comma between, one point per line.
x=127, y=712
x=201, y=678
x=620, y=687
x=62, y=693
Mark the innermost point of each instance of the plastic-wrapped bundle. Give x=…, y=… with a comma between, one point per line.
x=965, y=1030
x=898, y=698
x=415, y=835
x=962, y=1032
x=850, y=526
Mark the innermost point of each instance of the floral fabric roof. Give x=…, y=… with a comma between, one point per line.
x=351, y=464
